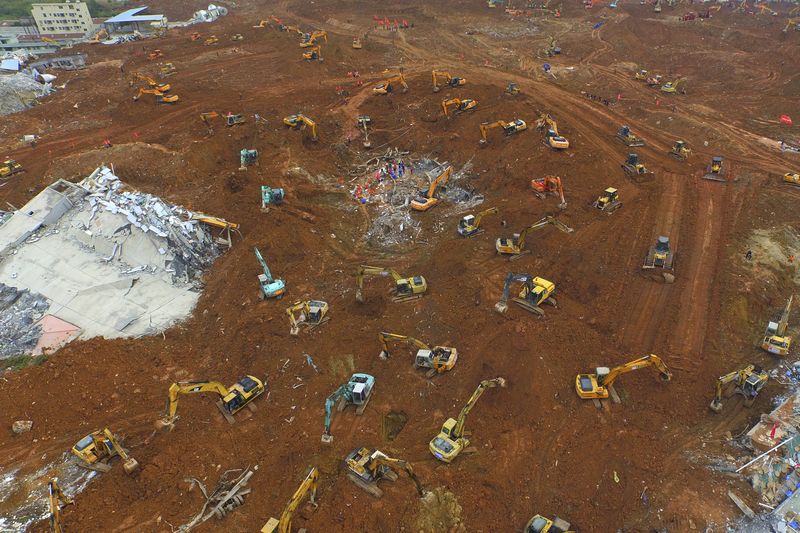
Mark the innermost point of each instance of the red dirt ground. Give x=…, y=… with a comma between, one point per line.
x=541, y=449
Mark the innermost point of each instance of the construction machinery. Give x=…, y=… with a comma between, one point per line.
x=161, y=87
x=231, y=399
x=549, y=186
x=363, y=121
x=155, y=54
x=57, y=499
x=625, y=135
x=271, y=196
x=633, y=167
x=367, y=467
x=438, y=359
x=95, y=451
x=237, y=37
x=405, y=289
x=672, y=86
x=640, y=75
x=233, y=120
x=776, y=341
x=311, y=40
x=101, y=35
x=270, y=287
x=427, y=196
x=792, y=23
x=461, y=105
x=680, y=151
x=310, y=313
x=654, y=80
x=609, y=201
x=535, y=291
x=450, y=81
x=195, y=36
x=551, y=137
x=208, y=118
x=748, y=382
x=660, y=255
x=552, y=48
x=357, y=44
x=9, y=167
x=247, y=157
x=509, y=128
x=515, y=246
x=657, y=7
x=161, y=98
x=313, y=54
x=451, y=439
x=386, y=87
x=211, y=40
x=470, y=225
x=356, y=392
x=307, y=488
x=792, y=178
x=167, y=69
x=512, y=89
x=600, y=385
x=716, y=170
x=301, y=121
x=540, y=524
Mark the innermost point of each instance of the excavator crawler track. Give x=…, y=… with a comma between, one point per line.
x=519, y=255
x=536, y=310
x=371, y=488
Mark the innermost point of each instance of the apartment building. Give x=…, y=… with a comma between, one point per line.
x=62, y=18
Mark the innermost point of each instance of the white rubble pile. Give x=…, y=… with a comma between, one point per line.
x=19, y=91
x=19, y=311
x=187, y=248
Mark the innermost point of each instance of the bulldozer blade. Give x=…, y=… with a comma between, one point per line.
x=225, y=412
x=371, y=488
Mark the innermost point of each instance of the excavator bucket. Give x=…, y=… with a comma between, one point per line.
x=130, y=466
x=327, y=439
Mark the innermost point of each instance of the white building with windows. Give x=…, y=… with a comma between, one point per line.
x=62, y=18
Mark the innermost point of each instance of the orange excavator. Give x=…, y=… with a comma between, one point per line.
x=549, y=186
x=461, y=105
x=161, y=98
x=427, y=196
x=161, y=87
x=450, y=81
x=387, y=88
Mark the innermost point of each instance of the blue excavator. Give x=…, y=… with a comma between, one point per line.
x=357, y=392
x=270, y=287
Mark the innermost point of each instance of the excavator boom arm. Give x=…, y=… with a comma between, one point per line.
x=191, y=387
x=479, y=216
x=642, y=362
x=263, y=265
x=384, y=338
x=381, y=459
x=441, y=179
x=309, y=485
x=511, y=278
x=542, y=223
x=458, y=429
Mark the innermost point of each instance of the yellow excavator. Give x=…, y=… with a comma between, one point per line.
x=357, y=43
x=312, y=38
x=600, y=385
x=438, y=359
x=386, y=87
x=161, y=87
x=427, y=197
x=211, y=40
x=671, y=87
x=535, y=291
x=167, y=69
x=776, y=341
x=451, y=440
x=515, y=246
x=95, y=450
x=405, y=289
x=57, y=498
x=509, y=128
x=312, y=313
x=748, y=382
x=99, y=36
x=792, y=178
x=231, y=400
x=791, y=23
x=366, y=467
x=313, y=54
x=9, y=167
x=161, y=98
x=450, y=81
x=680, y=151
x=540, y=524
x=461, y=105
x=299, y=121
x=307, y=488
x=551, y=137
x=470, y=225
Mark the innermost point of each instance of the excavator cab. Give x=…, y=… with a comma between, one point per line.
x=411, y=286
x=512, y=89
x=439, y=359
x=9, y=167
x=515, y=126
x=660, y=255
x=241, y=393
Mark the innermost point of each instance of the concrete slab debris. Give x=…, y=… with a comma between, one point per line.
x=96, y=259
x=19, y=91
